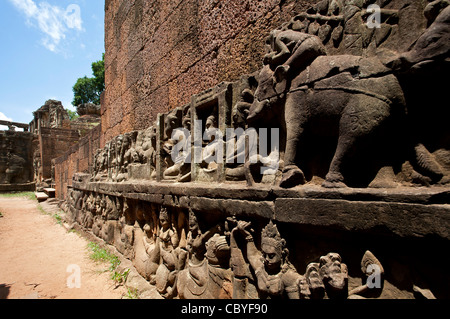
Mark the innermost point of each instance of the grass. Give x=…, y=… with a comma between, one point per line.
x=28, y=195
x=120, y=278
x=132, y=294
x=55, y=216
x=99, y=254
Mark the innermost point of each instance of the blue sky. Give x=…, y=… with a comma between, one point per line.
x=46, y=45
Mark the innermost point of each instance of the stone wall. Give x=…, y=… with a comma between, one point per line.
x=160, y=53
x=353, y=200
x=53, y=143
x=16, y=161
x=78, y=158
x=400, y=232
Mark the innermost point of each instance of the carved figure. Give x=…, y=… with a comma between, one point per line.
x=209, y=164
x=203, y=277
x=181, y=169
x=146, y=148
x=357, y=94
x=334, y=275
x=126, y=156
x=373, y=278
x=314, y=281
x=167, y=271
x=276, y=277
x=235, y=169
x=147, y=246
x=171, y=122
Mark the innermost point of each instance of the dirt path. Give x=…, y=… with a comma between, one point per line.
x=35, y=253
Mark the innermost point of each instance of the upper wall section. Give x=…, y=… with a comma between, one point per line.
x=345, y=96
x=159, y=53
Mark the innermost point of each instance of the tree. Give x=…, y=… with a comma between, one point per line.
x=72, y=115
x=88, y=90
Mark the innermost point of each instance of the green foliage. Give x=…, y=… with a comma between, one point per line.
x=101, y=255
x=85, y=91
x=88, y=90
x=132, y=294
x=98, y=69
x=120, y=278
x=72, y=115
x=56, y=216
x=28, y=195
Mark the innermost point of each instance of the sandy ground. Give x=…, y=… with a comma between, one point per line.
x=37, y=258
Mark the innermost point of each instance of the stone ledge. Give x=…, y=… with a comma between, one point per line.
x=404, y=220
x=18, y=187
x=239, y=191
x=415, y=213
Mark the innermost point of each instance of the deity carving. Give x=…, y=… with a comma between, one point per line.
x=206, y=272
x=276, y=277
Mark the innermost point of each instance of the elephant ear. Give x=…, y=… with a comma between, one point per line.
x=280, y=79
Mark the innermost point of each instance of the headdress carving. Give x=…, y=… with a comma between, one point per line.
x=271, y=237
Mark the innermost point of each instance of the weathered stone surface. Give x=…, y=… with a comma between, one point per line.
x=16, y=160
x=404, y=220
x=356, y=188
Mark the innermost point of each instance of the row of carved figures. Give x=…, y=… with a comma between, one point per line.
x=308, y=94
x=174, y=250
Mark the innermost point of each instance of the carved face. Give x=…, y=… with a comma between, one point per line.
x=148, y=230
x=272, y=257
x=170, y=123
x=164, y=218
x=333, y=271
x=211, y=122
x=187, y=123
x=313, y=276
x=193, y=223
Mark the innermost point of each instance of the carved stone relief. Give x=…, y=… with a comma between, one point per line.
x=336, y=104
x=330, y=86
x=188, y=259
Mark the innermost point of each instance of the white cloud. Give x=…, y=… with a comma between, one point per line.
x=3, y=117
x=53, y=21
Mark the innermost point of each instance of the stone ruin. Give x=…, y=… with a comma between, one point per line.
x=50, y=115
x=88, y=117
x=54, y=133
x=323, y=175
x=16, y=165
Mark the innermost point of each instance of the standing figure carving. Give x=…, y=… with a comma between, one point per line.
x=205, y=275
x=276, y=277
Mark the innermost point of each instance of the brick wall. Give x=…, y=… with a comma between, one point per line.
x=54, y=142
x=159, y=53
x=77, y=159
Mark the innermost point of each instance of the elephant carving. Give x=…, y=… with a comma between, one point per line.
x=349, y=97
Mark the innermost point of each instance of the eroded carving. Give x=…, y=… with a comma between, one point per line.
x=335, y=89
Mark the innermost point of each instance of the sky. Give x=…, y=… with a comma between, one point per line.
x=45, y=46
